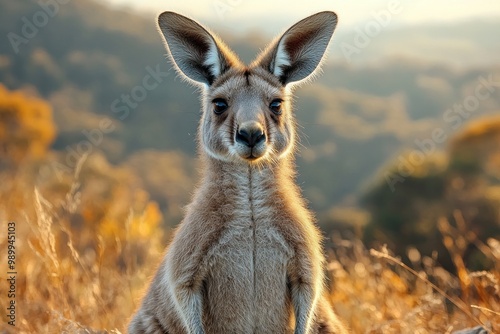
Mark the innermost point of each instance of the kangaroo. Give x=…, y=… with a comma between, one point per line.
x=247, y=257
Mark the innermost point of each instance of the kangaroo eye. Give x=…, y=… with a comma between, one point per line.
x=275, y=106
x=220, y=105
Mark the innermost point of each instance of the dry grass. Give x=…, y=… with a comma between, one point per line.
x=74, y=280
x=377, y=293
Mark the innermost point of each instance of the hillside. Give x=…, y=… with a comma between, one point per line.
x=102, y=60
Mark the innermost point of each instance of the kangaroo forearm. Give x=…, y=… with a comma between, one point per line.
x=304, y=300
x=189, y=303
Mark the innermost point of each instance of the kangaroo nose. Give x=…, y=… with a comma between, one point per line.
x=250, y=134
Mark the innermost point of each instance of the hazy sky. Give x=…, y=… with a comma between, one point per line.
x=266, y=15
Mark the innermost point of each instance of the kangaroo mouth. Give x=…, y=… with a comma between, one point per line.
x=252, y=154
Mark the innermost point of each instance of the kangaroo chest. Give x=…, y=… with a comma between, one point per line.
x=251, y=246
x=248, y=265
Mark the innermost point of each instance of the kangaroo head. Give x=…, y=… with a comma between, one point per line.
x=247, y=114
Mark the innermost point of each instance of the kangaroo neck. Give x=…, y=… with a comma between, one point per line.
x=232, y=178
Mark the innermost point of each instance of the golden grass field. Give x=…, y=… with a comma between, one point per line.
x=86, y=279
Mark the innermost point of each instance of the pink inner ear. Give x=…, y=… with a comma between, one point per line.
x=297, y=40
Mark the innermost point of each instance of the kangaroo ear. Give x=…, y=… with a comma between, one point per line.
x=197, y=54
x=299, y=51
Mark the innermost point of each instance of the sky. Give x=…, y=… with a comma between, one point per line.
x=268, y=15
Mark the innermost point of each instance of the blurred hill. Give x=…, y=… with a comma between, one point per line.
x=458, y=44
x=461, y=187
x=104, y=73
